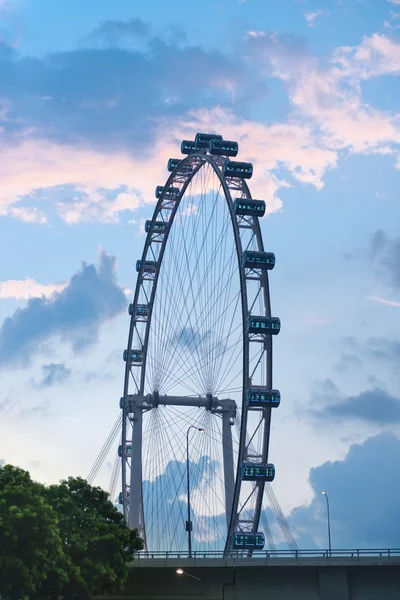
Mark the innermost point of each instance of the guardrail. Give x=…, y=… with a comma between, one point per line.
x=267, y=554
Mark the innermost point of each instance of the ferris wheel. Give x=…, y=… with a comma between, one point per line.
x=198, y=393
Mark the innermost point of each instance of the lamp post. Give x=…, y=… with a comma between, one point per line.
x=189, y=522
x=329, y=523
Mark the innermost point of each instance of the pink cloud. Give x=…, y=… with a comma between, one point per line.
x=384, y=301
x=28, y=288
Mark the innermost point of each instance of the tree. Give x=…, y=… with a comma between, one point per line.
x=30, y=541
x=96, y=539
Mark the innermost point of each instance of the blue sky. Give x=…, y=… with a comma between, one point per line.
x=94, y=98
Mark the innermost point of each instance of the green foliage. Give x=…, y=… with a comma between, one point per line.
x=66, y=541
x=95, y=537
x=30, y=541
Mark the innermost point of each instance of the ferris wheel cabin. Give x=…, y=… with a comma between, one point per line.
x=189, y=147
x=250, y=208
x=173, y=163
x=258, y=260
x=263, y=398
x=136, y=356
x=169, y=192
x=128, y=451
x=148, y=267
x=158, y=226
x=257, y=472
x=232, y=168
x=142, y=310
x=270, y=325
x=247, y=541
x=223, y=147
x=202, y=140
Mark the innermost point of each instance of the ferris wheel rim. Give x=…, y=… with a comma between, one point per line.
x=198, y=161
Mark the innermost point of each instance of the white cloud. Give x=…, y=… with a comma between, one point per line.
x=384, y=301
x=28, y=288
x=312, y=15
x=376, y=55
x=394, y=2
x=29, y=215
x=329, y=97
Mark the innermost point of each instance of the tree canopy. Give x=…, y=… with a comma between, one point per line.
x=63, y=541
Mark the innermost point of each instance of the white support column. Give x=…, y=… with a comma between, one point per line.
x=227, y=449
x=135, y=492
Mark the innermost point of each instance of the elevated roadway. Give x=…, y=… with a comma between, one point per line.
x=357, y=575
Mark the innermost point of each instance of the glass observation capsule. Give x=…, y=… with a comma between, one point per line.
x=247, y=541
x=189, y=147
x=262, y=398
x=136, y=356
x=148, y=267
x=257, y=472
x=173, y=163
x=232, y=168
x=251, y=208
x=142, y=310
x=270, y=325
x=258, y=260
x=169, y=192
x=202, y=140
x=158, y=226
x=127, y=453
x=223, y=147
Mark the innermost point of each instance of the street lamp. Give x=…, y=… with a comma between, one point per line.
x=329, y=523
x=189, y=522
x=182, y=572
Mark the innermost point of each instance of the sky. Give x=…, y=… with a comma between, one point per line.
x=94, y=98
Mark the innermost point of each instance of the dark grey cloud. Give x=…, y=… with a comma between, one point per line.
x=53, y=374
x=386, y=253
x=373, y=406
x=75, y=314
x=111, y=33
x=364, y=496
x=349, y=362
x=112, y=97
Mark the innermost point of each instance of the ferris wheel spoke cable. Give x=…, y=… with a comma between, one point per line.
x=172, y=355
x=189, y=372
x=105, y=450
x=200, y=325
x=200, y=290
x=267, y=530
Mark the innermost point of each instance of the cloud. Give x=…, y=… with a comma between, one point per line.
x=75, y=314
x=386, y=252
x=394, y=1
x=28, y=288
x=329, y=97
x=82, y=136
x=349, y=361
x=40, y=411
x=53, y=374
x=364, y=496
x=312, y=15
x=376, y=55
x=111, y=33
x=373, y=406
x=384, y=301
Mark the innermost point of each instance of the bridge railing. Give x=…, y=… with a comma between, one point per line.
x=271, y=554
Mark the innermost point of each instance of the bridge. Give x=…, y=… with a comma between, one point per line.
x=280, y=575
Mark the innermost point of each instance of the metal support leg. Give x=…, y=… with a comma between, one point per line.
x=135, y=493
x=229, y=477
